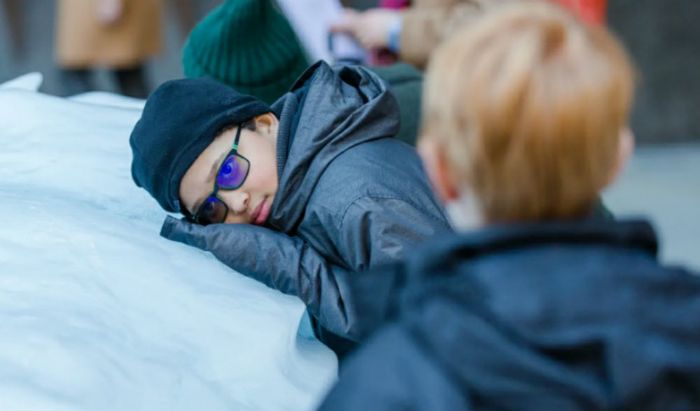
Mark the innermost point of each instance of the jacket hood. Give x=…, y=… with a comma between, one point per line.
x=510, y=314
x=327, y=111
x=448, y=254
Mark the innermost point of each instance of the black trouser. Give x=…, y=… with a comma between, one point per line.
x=131, y=81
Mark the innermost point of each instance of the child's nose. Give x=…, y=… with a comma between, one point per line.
x=238, y=201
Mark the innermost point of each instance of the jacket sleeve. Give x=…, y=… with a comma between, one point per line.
x=291, y=266
x=429, y=22
x=379, y=230
x=377, y=234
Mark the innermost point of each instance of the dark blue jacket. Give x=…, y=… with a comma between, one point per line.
x=350, y=197
x=560, y=316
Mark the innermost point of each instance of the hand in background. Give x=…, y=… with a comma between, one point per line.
x=109, y=12
x=371, y=28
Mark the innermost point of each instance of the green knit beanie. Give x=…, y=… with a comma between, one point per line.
x=249, y=45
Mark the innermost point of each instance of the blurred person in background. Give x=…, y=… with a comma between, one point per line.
x=535, y=304
x=401, y=34
x=411, y=29
x=251, y=46
x=116, y=34
x=408, y=29
x=248, y=45
x=14, y=17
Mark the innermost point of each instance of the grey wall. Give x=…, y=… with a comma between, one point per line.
x=663, y=36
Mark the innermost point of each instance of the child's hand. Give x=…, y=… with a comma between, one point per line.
x=183, y=231
x=109, y=12
x=240, y=246
x=371, y=28
x=258, y=252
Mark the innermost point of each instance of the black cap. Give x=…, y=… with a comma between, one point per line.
x=180, y=119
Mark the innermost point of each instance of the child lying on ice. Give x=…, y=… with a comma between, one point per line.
x=315, y=186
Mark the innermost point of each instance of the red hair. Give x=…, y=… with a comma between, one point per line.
x=528, y=104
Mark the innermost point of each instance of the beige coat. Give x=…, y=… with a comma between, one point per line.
x=427, y=22
x=82, y=42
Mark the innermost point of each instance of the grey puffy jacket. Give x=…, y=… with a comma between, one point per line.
x=350, y=197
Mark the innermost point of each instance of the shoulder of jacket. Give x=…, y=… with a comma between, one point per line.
x=366, y=203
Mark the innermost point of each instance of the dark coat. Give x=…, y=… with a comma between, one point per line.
x=406, y=83
x=560, y=316
x=350, y=196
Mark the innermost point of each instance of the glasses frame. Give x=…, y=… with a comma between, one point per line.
x=197, y=216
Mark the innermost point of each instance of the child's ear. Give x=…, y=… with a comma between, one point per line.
x=436, y=166
x=624, y=152
x=266, y=123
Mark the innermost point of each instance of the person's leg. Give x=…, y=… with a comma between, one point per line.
x=131, y=81
x=14, y=11
x=76, y=81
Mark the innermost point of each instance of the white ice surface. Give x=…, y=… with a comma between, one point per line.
x=97, y=312
x=102, y=98
x=27, y=82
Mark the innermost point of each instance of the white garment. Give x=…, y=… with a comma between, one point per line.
x=311, y=20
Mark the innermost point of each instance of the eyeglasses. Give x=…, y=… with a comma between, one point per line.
x=230, y=176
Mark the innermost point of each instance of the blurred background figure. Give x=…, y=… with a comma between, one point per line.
x=117, y=34
x=409, y=30
x=260, y=47
x=13, y=10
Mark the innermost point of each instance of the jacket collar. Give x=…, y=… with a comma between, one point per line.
x=443, y=255
x=338, y=109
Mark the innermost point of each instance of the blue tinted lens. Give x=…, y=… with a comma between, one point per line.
x=212, y=211
x=232, y=172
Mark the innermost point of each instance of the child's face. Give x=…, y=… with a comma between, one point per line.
x=251, y=202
